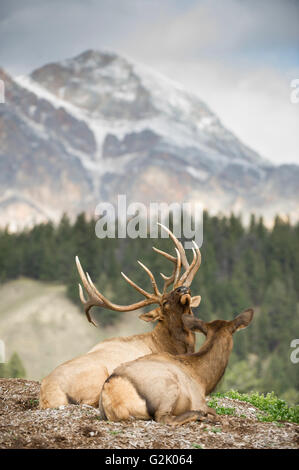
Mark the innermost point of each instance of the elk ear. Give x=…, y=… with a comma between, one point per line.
x=152, y=316
x=194, y=324
x=243, y=320
x=195, y=301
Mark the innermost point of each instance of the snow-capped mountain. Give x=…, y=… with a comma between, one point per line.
x=80, y=131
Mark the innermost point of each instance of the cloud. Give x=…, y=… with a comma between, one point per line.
x=240, y=30
x=35, y=31
x=224, y=30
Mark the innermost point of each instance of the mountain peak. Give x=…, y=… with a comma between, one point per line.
x=102, y=84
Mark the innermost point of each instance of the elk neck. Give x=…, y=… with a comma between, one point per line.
x=210, y=362
x=174, y=339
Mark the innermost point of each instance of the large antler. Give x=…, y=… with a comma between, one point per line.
x=190, y=270
x=96, y=299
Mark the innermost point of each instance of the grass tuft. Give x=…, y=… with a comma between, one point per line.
x=221, y=410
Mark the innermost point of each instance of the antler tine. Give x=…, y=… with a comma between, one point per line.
x=178, y=245
x=196, y=266
x=96, y=292
x=139, y=289
x=87, y=305
x=186, y=273
x=166, y=255
x=168, y=280
x=181, y=257
x=93, y=301
x=83, y=277
x=190, y=270
x=178, y=268
x=152, y=278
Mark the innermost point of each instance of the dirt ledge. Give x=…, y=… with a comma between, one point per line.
x=23, y=425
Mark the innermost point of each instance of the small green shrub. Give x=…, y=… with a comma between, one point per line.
x=275, y=409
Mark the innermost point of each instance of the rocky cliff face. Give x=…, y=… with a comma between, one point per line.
x=80, y=131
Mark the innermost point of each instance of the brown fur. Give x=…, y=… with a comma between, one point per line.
x=80, y=380
x=175, y=386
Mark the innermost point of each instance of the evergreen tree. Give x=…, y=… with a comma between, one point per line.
x=14, y=368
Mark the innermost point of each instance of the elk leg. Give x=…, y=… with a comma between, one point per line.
x=212, y=413
x=202, y=405
x=183, y=418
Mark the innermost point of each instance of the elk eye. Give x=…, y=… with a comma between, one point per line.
x=164, y=303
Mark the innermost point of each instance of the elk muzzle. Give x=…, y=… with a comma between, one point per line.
x=185, y=295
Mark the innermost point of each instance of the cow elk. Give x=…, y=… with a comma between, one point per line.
x=172, y=389
x=80, y=380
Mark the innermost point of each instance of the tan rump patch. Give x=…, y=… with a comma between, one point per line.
x=51, y=395
x=121, y=401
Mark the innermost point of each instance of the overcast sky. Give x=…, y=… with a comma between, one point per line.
x=239, y=56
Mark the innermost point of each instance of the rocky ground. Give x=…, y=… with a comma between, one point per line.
x=23, y=425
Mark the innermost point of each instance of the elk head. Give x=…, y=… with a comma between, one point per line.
x=170, y=305
x=222, y=327
x=212, y=358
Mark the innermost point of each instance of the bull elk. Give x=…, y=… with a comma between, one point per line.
x=172, y=389
x=80, y=380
